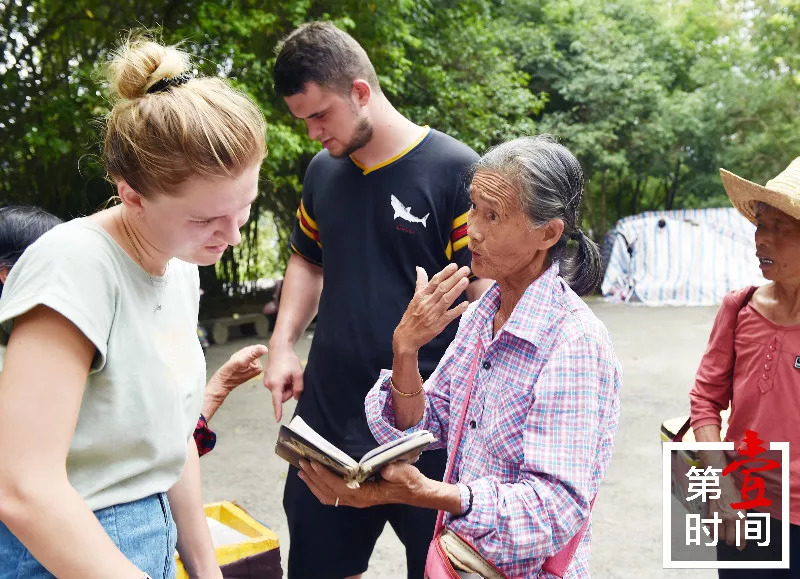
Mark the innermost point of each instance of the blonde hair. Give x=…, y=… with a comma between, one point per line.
x=157, y=140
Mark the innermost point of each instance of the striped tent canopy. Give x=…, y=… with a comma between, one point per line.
x=689, y=257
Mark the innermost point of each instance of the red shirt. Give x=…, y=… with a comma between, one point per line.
x=758, y=372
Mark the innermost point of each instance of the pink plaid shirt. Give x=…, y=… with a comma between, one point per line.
x=539, y=430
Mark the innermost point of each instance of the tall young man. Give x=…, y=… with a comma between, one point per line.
x=385, y=196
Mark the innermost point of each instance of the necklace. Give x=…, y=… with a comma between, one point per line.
x=141, y=263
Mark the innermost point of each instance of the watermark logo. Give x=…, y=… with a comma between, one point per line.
x=702, y=514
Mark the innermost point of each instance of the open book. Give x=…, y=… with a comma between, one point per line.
x=298, y=440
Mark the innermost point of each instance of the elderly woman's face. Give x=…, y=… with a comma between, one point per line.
x=777, y=244
x=504, y=243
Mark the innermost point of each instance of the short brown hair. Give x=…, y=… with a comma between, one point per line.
x=319, y=52
x=157, y=140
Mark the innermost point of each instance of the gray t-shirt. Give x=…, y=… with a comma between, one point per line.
x=145, y=387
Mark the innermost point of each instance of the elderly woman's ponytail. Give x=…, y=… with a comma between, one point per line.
x=581, y=267
x=550, y=182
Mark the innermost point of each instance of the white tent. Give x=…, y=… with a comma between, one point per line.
x=689, y=257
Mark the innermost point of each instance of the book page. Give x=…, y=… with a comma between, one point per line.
x=404, y=447
x=293, y=448
x=299, y=426
x=389, y=445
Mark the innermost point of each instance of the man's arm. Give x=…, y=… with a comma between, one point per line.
x=302, y=288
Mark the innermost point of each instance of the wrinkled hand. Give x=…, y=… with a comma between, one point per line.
x=428, y=312
x=401, y=483
x=283, y=378
x=242, y=366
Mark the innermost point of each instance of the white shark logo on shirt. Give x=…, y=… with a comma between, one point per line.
x=405, y=213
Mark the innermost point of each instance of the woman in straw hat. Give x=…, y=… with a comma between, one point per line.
x=753, y=363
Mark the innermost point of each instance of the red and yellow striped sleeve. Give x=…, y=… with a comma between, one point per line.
x=458, y=235
x=308, y=225
x=305, y=238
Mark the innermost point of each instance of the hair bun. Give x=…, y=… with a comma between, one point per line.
x=139, y=64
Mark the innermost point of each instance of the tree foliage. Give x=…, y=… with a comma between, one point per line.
x=652, y=96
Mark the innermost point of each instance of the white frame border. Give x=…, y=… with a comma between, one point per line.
x=666, y=455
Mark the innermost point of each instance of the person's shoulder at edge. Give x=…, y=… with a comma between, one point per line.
x=732, y=303
x=65, y=269
x=450, y=148
x=321, y=157
x=323, y=167
x=79, y=238
x=190, y=271
x=84, y=241
x=577, y=320
x=323, y=160
x=734, y=297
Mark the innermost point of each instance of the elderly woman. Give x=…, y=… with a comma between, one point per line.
x=536, y=366
x=753, y=363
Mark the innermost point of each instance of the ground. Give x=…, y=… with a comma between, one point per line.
x=659, y=348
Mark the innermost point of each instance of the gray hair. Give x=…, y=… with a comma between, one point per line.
x=549, y=180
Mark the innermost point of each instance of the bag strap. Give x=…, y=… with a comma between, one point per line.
x=451, y=460
x=745, y=300
x=556, y=564
x=559, y=563
x=682, y=430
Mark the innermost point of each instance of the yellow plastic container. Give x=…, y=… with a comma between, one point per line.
x=261, y=538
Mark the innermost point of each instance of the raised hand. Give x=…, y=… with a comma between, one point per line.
x=429, y=311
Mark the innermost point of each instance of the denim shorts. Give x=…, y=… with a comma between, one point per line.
x=143, y=530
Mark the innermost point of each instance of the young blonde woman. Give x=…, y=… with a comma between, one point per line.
x=103, y=377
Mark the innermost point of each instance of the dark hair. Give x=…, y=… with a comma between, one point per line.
x=550, y=184
x=319, y=52
x=21, y=225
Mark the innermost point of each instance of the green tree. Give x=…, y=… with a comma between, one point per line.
x=652, y=96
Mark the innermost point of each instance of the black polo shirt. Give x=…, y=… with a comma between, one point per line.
x=368, y=228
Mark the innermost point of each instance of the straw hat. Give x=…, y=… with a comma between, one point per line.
x=782, y=192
